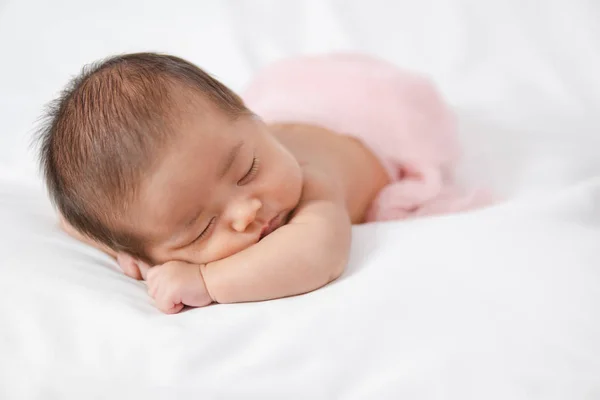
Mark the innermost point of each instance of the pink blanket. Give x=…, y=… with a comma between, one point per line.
x=399, y=115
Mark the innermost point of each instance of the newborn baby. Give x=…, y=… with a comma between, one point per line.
x=211, y=198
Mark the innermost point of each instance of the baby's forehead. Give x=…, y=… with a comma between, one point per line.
x=198, y=115
x=192, y=106
x=202, y=133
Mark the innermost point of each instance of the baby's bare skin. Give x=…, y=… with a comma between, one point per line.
x=339, y=178
x=339, y=157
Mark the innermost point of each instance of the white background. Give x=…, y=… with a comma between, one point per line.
x=502, y=303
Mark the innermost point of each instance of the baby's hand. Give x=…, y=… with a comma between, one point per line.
x=175, y=284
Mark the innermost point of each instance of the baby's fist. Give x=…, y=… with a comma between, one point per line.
x=176, y=284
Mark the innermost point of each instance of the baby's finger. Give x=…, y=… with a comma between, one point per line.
x=167, y=306
x=152, y=288
x=175, y=309
x=129, y=266
x=144, y=268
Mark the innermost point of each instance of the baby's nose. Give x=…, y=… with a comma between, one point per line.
x=245, y=214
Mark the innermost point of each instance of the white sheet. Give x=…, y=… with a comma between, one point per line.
x=499, y=304
x=503, y=303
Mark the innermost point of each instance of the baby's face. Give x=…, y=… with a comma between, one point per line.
x=220, y=187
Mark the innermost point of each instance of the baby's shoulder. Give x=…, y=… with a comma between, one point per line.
x=337, y=160
x=304, y=141
x=321, y=147
x=316, y=149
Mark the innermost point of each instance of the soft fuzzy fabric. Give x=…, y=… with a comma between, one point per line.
x=398, y=114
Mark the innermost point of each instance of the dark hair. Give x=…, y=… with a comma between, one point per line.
x=97, y=137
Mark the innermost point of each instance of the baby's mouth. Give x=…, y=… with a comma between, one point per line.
x=273, y=224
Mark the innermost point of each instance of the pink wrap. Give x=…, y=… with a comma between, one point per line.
x=398, y=115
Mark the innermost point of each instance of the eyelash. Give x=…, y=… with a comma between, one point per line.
x=251, y=172
x=206, y=230
x=247, y=178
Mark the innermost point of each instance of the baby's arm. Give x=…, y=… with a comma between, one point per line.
x=307, y=253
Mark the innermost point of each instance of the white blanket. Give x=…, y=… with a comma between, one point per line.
x=498, y=304
x=503, y=303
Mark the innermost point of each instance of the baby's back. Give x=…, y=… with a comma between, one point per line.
x=342, y=160
x=399, y=116
x=396, y=113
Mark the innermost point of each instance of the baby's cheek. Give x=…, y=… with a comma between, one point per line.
x=222, y=247
x=292, y=186
x=285, y=183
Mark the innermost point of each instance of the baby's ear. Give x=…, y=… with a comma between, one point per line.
x=129, y=265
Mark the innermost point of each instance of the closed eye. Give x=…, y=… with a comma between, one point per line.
x=206, y=230
x=251, y=172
